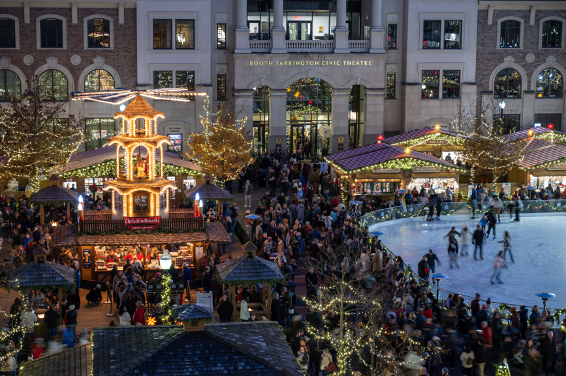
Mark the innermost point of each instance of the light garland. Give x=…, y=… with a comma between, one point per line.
x=166, y=298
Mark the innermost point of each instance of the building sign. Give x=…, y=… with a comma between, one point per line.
x=426, y=169
x=205, y=299
x=86, y=258
x=198, y=251
x=176, y=142
x=379, y=170
x=142, y=223
x=470, y=189
x=437, y=142
x=506, y=188
x=561, y=166
x=281, y=63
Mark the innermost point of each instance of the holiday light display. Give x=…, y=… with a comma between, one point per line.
x=223, y=147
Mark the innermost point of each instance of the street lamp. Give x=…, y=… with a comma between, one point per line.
x=438, y=277
x=545, y=296
x=502, y=107
x=165, y=260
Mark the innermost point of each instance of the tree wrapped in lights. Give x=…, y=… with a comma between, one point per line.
x=223, y=147
x=36, y=134
x=486, y=146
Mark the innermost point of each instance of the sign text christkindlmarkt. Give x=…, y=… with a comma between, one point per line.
x=142, y=223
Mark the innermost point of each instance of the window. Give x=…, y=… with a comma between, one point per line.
x=7, y=33
x=98, y=131
x=99, y=79
x=184, y=34
x=549, y=84
x=392, y=36
x=118, y=201
x=451, y=84
x=51, y=33
x=431, y=34
x=430, y=84
x=221, y=87
x=508, y=123
x=552, y=121
x=391, y=78
x=552, y=34
x=141, y=203
x=507, y=84
x=98, y=33
x=185, y=79
x=10, y=85
x=53, y=85
x=162, y=79
x=452, y=35
x=221, y=36
x=162, y=34
x=510, y=34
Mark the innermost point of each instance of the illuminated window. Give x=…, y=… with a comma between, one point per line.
x=99, y=79
x=452, y=35
x=185, y=79
x=552, y=34
x=221, y=87
x=98, y=33
x=184, y=34
x=507, y=84
x=141, y=203
x=221, y=36
x=549, y=84
x=392, y=36
x=98, y=131
x=451, y=84
x=510, y=36
x=431, y=34
x=10, y=85
x=430, y=84
x=162, y=34
x=53, y=85
x=391, y=78
x=508, y=123
x=162, y=79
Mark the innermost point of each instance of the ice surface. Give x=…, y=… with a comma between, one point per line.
x=538, y=245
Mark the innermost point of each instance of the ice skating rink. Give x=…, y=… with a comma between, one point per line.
x=539, y=250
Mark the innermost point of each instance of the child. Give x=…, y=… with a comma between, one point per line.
x=483, y=223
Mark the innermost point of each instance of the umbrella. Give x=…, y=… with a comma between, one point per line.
x=252, y=216
x=377, y=233
x=356, y=202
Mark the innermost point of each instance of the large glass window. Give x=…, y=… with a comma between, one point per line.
x=549, y=84
x=53, y=85
x=10, y=85
x=7, y=33
x=510, y=34
x=51, y=33
x=451, y=84
x=185, y=79
x=221, y=36
x=508, y=123
x=261, y=119
x=162, y=79
x=392, y=36
x=552, y=121
x=452, y=34
x=507, y=84
x=552, y=34
x=356, y=117
x=430, y=84
x=221, y=87
x=391, y=86
x=98, y=33
x=184, y=34
x=99, y=79
x=162, y=34
x=431, y=34
x=98, y=131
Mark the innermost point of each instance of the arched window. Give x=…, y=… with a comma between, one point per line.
x=507, y=84
x=549, y=83
x=53, y=85
x=10, y=85
x=99, y=79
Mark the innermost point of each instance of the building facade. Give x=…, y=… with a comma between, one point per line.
x=314, y=77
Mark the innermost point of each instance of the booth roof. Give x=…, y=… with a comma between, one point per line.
x=248, y=269
x=377, y=153
x=207, y=192
x=139, y=107
x=191, y=312
x=136, y=350
x=217, y=233
x=414, y=134
x=539, y=151
x=76, y=361
x=41, y=274
x=537, y=131
x=55, y=193
x=99, y=155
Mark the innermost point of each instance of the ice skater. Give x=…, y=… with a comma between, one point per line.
x=453, y=253
x=477, y=241
x=491, y=222
x=464, y=242
x=483, y=223
x=498, y=265
x=507, y=246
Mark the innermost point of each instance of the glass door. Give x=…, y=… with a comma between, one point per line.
x=259, y=137
x=353, y=135
x=297, y=140
x=254, y=29
x=298, y=30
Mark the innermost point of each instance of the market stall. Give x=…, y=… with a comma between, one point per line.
x=380, y=170
x=431, y=140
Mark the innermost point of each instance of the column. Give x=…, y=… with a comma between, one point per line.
x=277, y=118
x=244, y=106
x=339, y=131
x=375, y=113
x=376, y=32
x=528, y=110
x=278, y=45
x=242, y=32
x=341, y=30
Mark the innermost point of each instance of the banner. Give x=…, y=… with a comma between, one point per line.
x=142, y=223
x=86, y=258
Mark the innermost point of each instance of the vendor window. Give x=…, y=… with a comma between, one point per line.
x=141, y=203
x=118, y=203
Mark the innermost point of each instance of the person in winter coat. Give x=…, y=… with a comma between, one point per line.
x=482, y=316
x=467, y=357
x=29, y=319
x=491, y=221
x=477, y=240
x=507, y=246
x=453, y=253
x=424, y=269
x=125, y=318
x=224, y=309
x=432, y=259
x=248, y=194
x=139, y=314
x=10, y=365
x=431, y=206
x=497, y=205
x=498, y=265
x=535, y=316
x=72, y=320
x=481, y=356
x=94, y=297
x=303, y=359
x=187, y=278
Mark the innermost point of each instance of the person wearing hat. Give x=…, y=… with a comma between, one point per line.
x=482, y=315
x=71, y=320
x=475, y=306
x=94, y=297
x=524, y=319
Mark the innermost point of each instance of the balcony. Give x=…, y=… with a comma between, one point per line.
x=260, y=46
x=358, y=46
x=310, y=46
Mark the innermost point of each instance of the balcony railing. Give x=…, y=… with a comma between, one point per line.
x=316, y=46
x=358, y=45
x=259, y=46
x=89, y=225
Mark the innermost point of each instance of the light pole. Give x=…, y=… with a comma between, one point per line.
x=502, y=107
x=438, y=277
x=545, y=296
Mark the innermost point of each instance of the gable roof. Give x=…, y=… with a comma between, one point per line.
x=139, y=107
x=400, y=138
x=34, y=274
x=250, y=269
x=539, y=152
x=191, y=312
x=76, y=361
x=208, y=192
x=54, y=193
x=379, y=153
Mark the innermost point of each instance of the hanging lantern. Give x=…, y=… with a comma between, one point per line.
x=380, y=138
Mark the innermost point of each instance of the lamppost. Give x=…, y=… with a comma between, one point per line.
x=165, y=260
x=438, y=277
x=545, y=296
x=502, y=107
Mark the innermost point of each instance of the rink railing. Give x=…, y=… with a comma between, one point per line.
x=455, y=208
